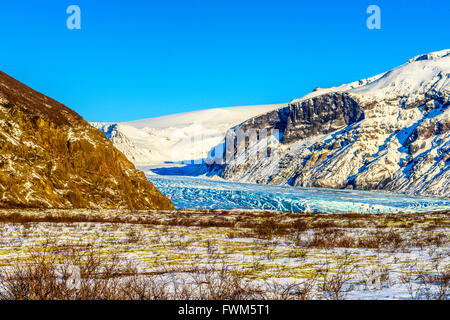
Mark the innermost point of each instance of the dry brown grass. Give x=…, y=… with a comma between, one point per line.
x=103, y=275
x=329, y=230
x=81, y=274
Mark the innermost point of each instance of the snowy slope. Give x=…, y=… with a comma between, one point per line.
x=417, y=76
x=388, y=132
x=179, y=137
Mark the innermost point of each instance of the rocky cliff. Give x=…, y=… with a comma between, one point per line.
x=51, y=158
x=389, y=132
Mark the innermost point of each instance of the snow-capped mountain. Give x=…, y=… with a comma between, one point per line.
x=389, y=132
x=179, y=137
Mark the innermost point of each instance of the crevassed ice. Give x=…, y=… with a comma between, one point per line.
x=198, y=193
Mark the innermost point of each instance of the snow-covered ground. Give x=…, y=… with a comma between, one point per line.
x=280, y=255
x=178, y=137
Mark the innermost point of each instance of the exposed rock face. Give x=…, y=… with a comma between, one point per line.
x=389, y=132
x=303, y=119
x=51, y=158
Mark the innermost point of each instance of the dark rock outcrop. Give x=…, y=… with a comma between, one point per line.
x=319, y=115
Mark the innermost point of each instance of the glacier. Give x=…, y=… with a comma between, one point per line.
x=390, y=132
x=206, y=193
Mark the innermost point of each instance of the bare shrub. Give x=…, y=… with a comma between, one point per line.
x=267, y=229
x=335, y=281
x=303, y=290
x=134, y=236
x=425, y=286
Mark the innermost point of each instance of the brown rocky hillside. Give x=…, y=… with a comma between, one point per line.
x=51, y=158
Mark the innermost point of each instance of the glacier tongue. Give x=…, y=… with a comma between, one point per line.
x=195, y=193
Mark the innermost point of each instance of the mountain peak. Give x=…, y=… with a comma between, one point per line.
x=431, y=56
x=16, y=93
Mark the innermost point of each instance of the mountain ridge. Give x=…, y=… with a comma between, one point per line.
x=401, y=143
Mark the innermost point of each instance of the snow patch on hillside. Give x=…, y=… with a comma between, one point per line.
x=179, y=137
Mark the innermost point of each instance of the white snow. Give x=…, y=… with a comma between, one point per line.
x=414, y=76
x=178, y=137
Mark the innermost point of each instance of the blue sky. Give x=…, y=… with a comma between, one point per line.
x=137, y=59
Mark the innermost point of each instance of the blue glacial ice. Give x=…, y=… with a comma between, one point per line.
x=196, y=193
